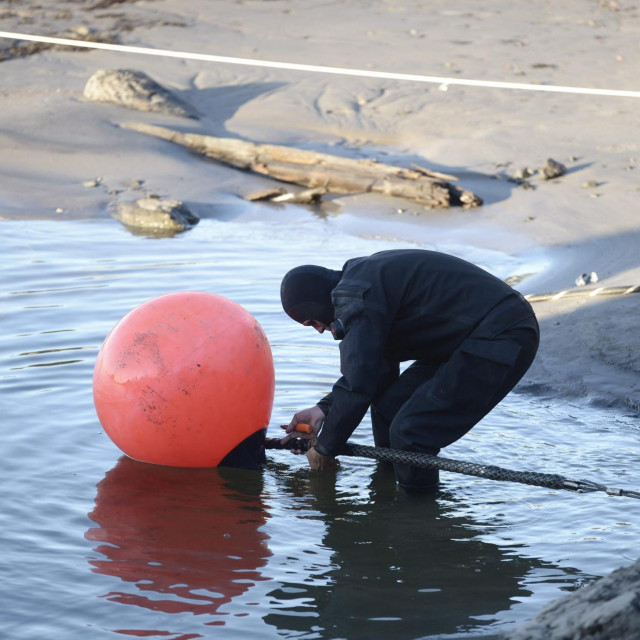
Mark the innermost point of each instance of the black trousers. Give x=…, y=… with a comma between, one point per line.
x=430, y=406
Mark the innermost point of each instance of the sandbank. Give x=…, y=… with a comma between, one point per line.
x=53, y=141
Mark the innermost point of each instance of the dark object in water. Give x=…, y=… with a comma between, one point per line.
x=249, y=454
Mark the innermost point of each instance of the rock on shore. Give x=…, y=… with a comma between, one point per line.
x=135, y=90
x=608, y=609
x=152, y=215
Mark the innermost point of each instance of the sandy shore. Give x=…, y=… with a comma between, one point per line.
x=53, y=141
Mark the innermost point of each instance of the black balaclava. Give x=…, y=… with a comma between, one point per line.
x=306, y=293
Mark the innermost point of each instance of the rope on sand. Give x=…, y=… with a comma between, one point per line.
x=443, y=82
x=490, y=472
x=584, y=293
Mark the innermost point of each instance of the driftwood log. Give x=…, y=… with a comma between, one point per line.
x=316, y=170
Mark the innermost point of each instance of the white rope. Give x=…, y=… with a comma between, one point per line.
x=584, y=293
x=362, y=73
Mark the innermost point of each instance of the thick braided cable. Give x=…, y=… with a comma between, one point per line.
x=426, y=461
x=488, y=471
x=491, y=472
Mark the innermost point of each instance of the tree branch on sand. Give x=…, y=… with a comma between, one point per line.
x=316, y=170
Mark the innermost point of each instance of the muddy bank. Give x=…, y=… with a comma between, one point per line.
x=89, y=20
x=496, y=142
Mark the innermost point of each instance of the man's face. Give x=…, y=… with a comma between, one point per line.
x=316, y=324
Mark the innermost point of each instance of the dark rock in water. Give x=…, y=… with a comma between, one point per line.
x=553, y=169
x=155, y=216
x=135, y=90
x=608, y=609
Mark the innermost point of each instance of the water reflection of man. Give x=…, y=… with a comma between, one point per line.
x=402, y=566
x=471, y=336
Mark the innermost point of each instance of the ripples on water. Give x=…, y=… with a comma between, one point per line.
x=95, y=544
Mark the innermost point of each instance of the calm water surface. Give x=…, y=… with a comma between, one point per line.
x=96, y=545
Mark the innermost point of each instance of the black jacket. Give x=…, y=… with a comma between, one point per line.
x=395, y=306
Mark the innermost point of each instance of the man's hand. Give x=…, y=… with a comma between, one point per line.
x=321, y=463
x=313, y=416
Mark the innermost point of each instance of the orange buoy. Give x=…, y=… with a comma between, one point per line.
x=183, y=379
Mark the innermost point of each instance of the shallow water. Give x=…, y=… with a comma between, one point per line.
x=95, y=544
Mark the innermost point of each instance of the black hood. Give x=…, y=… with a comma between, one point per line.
x=306, y=293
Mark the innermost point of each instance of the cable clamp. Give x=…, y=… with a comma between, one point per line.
x=582, y=486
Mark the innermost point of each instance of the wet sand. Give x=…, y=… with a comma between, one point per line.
x=53, y=141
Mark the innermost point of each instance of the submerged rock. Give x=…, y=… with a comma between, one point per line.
x=135, y=90
x=152, y=215
x=606, y=609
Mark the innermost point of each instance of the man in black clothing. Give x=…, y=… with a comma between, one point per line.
x=470, y=335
